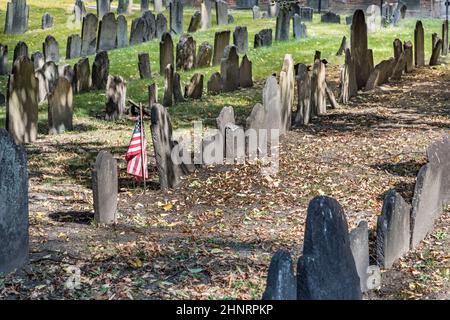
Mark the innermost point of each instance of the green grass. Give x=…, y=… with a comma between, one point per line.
x=123, y=62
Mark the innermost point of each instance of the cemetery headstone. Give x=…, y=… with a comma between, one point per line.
x=245, y=73
x=122, y=32
x=373, y=18
x=400, y=67
x=152, y=94
x=348, y=85
x=215, y=84
x=359, y=49
x=145, y=5
x=144, y=66
x=51, y=75
x=419, y=53
x=185, y=52
x=281, y=282
x=438, y=154
x=359, y=244
x=221, y=12
x=263, y=38
x=165, y=52
x=79, y=11
x=205, y=10
x=176, y=16
x=204, y=55
x=398, y=48
x=435, y=54
x=304, y=95
x=299, y=28
x=73, y=49
x=107, y=32
x=318, y=89
x=17, y=13
x=67, y=72
x=272, y=104
x=51, y=49
x=178, y=94
x=116, y=97
x=330, y=17
x=100, y=71
x=196, y=21
x=38, y=60
x=240, y=39
x=229, y=69
x=168, y=86
x=408, y=50
x=124, y=6
x=283, y=25
x=21, y=50
x=256, y=13
x=137, y=31
x=380, y=74
x=161, y=25
x=221, y=41
x=225, y=118
x=149, y=25
x=60, y=107
x=287, y=87
x=194, y=89
x=47, y=21
x=82, y=76
x=89, y=35
x=103, y=7
x=306, y=13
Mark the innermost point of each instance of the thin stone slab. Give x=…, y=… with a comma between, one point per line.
x=17, y=13
x=283, y=25
x=116, y=97
x=103, y=7
x=359, y=244
x=79, y=11
x=240, y=39
x=137, y=31
x=221, y=12
x=342, y=47
x=273, y=9
x=145, y=5
x=149, y=26
x=194, y=89
x=89, y=35
x=408, y=50
x=225, y=118
x=4, y=69
x=60, y=107
x=186, y=52
x=221, y=41
x=438, y=154
x=82, y=76
x=393, y=230
x=436, y=53
x=229, y=69
x=105, y=188
x=165, y=52
x=144, y=66
x=287, y=87
x=359, y=49
x=51, y=49
x=263, y=38
x=445, y=38
x=67, y=72
x=303, y=79
x=373, y=18
x=256, y=13
x=107, y=33
x=168, y=86
x=152, y=94
x=205, y=10
x=419, y=48
x=215, y=84
x=161, y=25
x=20, y=50
x=348, y=85
x=306, y=13
x=204, y=55
x=124, y=6
x=47, y=21
x=330, y=17
x=178, y=94
x=245, y=73
x=38, y=60
x=281, y=281
x=73, y=49
x=158, y=6
x=399, y=67
x=22, y=102
x=298, y=28
x=318, y=89
x=380, y=74
x=100, y=71
x=14, y=223
x=272, y=104
x=327, y=269
x=122, y=32
x=176, y=16
x=196, y=22
x=51, y=75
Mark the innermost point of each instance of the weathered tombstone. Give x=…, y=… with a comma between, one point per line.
x=359, y=49
x=145, y=5
x=165, y=52
x=373, y=18
x=256, y=13
x=185, y=52
x=263, y=38
x=13, y=204
x=359, y=244
x=240, y=39
x=161, y=25
x=419, y=53
x=73, y=49
x=116, y=97
x=205, y=11
x=434, y=59
x=161, y=127
x=4, y=70
x=194, y=89
x=438, y=154
x=158, y=6
x=100, y=71
x=287, y=87
x=318, y=89
x=281, y=282
x=272, y=103
x=22, y=102
x=21, y=50
x=221, y=12
x=343, y=46
x=398, y=48
x=348, y=85
x=42, y=85
x=204, y=55
x=380, y=74
x=257, y=122
x=396, y=15
x=47, y=21
x=445, y=38
x=215, y=84
x=196, y=21
x=229, y=69
x=245, y=73
x=144, y=66
x=137, y=31
x=176, y=16
x=104, y=188
x=107, y=32
x=221, y=41
x=399, y=67
x=89, y=35
x=178, y=95
x=38, y=60
x=327, y=269
x=348, y=20
x=60, y=107
x=124, y=6
x=152, y=94
x=330, y=17
x=299, y=28
x=283, y=25
x=79, y=11
x=304, y=95
x=149, y=25
x=67, y=72
x=225, y=118
x=82, y=76
x=408, y=50
x=393, y=230
x=103, y=7
x=168, y=86
x=306, y=13
x=17, y=13
x=122, y=32
x=51, y=75
x=51, y=49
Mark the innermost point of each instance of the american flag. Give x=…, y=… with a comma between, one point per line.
x=135, y=151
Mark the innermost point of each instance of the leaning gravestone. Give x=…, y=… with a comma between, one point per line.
x=21, y=50
x=245, y=73
x=348, y=85
x=318, y=89
x=185, y=52
x=144, y=66
x=380, y=74
x=47, y=21
x=359, y=49
x=168, y=86
x=161, y=25
x=299, y=28
x=82, y=76
x=149, y=25
x=165, y=52
x=60, y=107
x=226, y=117
x=73, y=49
x=400, y=67
x=281, y=282
x=373, y=19
x=221, y=41
x=304, y=95
x=22, y=102
x=436, y=52
x=283, y=25
x=287, y=87
x=419, y=54
x=107, y=34
x=104, y=188
x=205, y=10
x=196, y=21
x=122, y=32
x=4, y=70
x=194, y=89
x=100, y=71
x=215, y=84
x=204, y=55
x=393, y=230
x=176, y=16
x=137, y=31
x=229, y=69
x=272, y=103
x=398, y=48
x=263, y=38
x=17, y=13
x=343, y=46
x=38, y=60
x=103, y=7
x=89, y=35
x=330, y=17
x=51, y=49
x=240, y=39
x=327, y=268
x=13, y=204
x=221, y=12
x=359, y=244
x=116, y=96
x=178, y=94
x=408, y=50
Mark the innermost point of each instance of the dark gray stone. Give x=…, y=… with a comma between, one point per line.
x=196, y=22
x=359, y=49
x=398, y=48
x=221, y=41
x=281, y=281
x=304, y=95
x=161, y=25
x=47, y=21
x=330, y=17
x=107, y=32
x=380, y=74
x=82, y=76
x=263, y=38
x=176, y=16
x=221, y=12
x=21, y=50
x=215, y=84
x=116, y=97
x=245, y=73
x=13, y=204
x=435, y=54
x=60, y=107
x=165, y=52
x=152, y=94
x=177, y=90
x=145, y=5
x=185, y=52
x=149, y=26
x=194, y=89
x=230, y=19
x=225, y=118
x=229, y=69
x=240, y=39
x=4, y=69
x=103, y=7
x=168, y=86
x=51, y=75
x=327, y=269
x=399, y=67
x=419, y=48
x=38, y=60
x=122, y=32
x=51, y=49
x=438, y=155
x=89, y=35
x=299, y=28
x=124, y=6
x=73, y=49
x=318, y=89
x=359, y=244
x=283, y=25
x=137, y=31
x=100, y=71
x=343, y=46
x=104, y=188
x=144, y=66
x=408, y=50
x=348, y=20
x=445, y=38
x=17, y=13
x=204, y=55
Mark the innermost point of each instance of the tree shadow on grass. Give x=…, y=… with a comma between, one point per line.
x=402, y=169
x=80, y=217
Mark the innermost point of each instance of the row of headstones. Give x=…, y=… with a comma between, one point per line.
x=273, y=9
x=125, y=6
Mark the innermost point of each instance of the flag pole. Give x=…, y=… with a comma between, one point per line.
x=141, y=115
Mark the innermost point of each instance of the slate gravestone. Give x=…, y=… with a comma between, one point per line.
x=73, y=49
x=245, y=73
x=221, y=40
x=122, y=32
x=13, y=204
x=161, y=127
x=17, y=13
x=196, y=22
x=445, y=38
x=51, y=75
x=145, y=5
x=263, y=38
x=104, y=188
x=283, y=25
x=116, y=97
x=100, y=71
x=21, y=50
x=393, y=230
x=107, y=34
x=215, y=84
x=194, y=89
x=438, y=154
x=161, y=25
x=51, y=49
x=89, y=34
x=419, y=48
x=185, y=52
x=144, y=66
x=79, y=11
x=204, y=55
x=178, y=94
x=359, y=48
x=82, y=76
x=38, y=60
x=272, y=103
x=380, y=74
x=168, y=86
x=281, y=282
x=348, y=85
x=176, y=16
x=205, y=10
x=342, y=47
x=103, y=7
x=398, y=48
x=348, y=20
x=287, y=87
x=304, y=95
x=149, y=25
x=124, y=6
x=408, y=50
x=221, y=12
x=399, y=67
x=299, y=28
x=373, y=19
x=22, y=102
x=225, y=118
x=158, y=6
x=306, y=13
x=4, y=70
x=318, y=89
x=229, y=69
x=165, y=52
x=137, y=31
x=152, y=94
x=330, y=17
x=327, y=269
x=47, y=21
x=256, y=13
x=240, y=39
x=435, y=54
x=359, y=244
x=67, y=72
x=60, y=107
